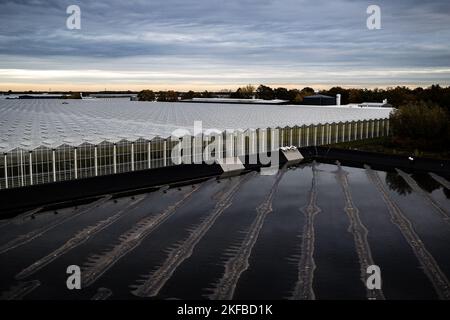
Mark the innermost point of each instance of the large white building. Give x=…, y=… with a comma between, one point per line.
x=52, y=140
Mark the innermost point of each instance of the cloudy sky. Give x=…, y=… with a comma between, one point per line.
x=218, y=44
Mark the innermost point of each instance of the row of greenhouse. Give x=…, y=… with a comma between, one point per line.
x=20, y=167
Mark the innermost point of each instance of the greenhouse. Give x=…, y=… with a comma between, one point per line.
x=45, y=141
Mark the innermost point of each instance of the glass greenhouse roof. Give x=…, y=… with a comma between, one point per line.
x=28, y=124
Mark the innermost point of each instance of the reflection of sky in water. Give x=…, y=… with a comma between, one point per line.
x=213, y=232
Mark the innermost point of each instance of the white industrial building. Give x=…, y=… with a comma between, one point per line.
x=46, y=141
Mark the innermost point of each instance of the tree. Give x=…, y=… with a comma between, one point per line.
x=295, y=96
x=307, y=91
x=355, y=96
x=282, y=94
x=168, y=96
x=264, y=92
x=188, y=95
x=338, y=90
x=172, y=96
x=146, y=95
x=246, y=92
x=400, y=95
x=422, y=125
x=75, y=95
x=237, y=94
x=206, y=94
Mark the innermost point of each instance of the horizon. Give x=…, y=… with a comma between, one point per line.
x=198, y=45
x=214, y=90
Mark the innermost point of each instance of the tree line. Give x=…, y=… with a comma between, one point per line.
x=396, y=96
x=422, y=126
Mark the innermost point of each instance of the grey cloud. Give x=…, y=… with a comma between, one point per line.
x=260, y=35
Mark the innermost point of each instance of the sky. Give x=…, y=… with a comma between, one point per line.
x=214, y=45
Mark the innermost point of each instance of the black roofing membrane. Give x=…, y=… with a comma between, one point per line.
x=241, y=237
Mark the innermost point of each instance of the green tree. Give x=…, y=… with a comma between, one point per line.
x=355, y=96
x=75, y=95
x=338, y=90
x=282, y=94
x=162, y=96
x=264, y=92
x=146, y=95
x=168, y=96
x=172, y=96
x=188, y=95
x=307, y=91
x=206, y=94
x=421, y=125
x=295, y=96
x=246, y=92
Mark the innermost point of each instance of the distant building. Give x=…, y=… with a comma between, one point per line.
x=235, y=101
x=131, y=96
x=41, y=96
x=9, y=96
x=383, y=104
x=319, y=100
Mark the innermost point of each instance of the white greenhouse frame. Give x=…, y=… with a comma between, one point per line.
x=21, y=167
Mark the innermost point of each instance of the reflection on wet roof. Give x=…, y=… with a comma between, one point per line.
x=31, y=123
x=306, y=232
